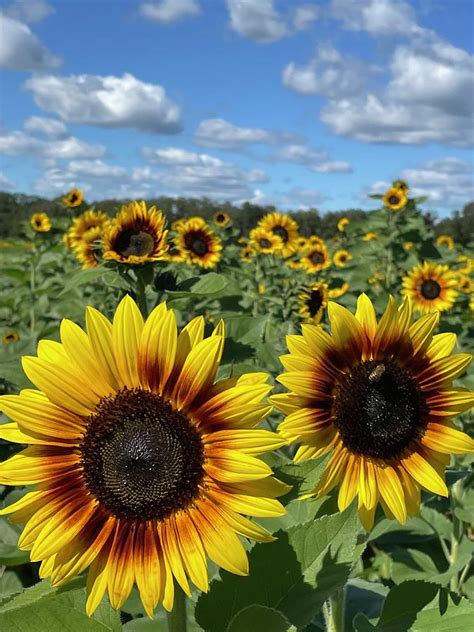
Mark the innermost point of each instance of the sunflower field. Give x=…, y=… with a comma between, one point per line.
x=209, y=429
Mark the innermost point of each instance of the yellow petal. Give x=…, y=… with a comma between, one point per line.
x=391, y=491
x=127, y=329
x=249, y=441
x=169, y=540
x=441, y=346
x=96, y=583
x=157, y=349
x=192, y=551
x=447, y=440
x=231, y=466
x=149, y=571
x=120, y=574
x=443, y=371
x=365, y=314
x=99, y=330
x=350, y=483
x=421, y=332
x=424, y=474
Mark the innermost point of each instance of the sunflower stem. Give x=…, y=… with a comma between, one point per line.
x=333, y=611
x=388, y=266
x=140, y=293
x=457, y=533
x=177, y=617
x=33, y=290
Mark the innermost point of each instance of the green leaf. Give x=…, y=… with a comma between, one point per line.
x=293, y=575
x=9, y=584
x=42, y=607
x=365, y=597
x=445, y=615
x=10, y=554
x=211, y=283
x=259, y=618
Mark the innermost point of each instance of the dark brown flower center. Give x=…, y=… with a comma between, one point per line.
x=430, y=289
x=265, y=243
x=378, y=410
x=141, y=458
x=281, y=232
x=314, y=302
x=316, y=257
x=220, y=218
x=134, y=242
x=394, y=200
x=197, y=244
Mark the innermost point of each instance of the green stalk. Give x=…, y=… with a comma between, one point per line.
x=177, y=617
x=33, y=291
x=389, y=261
x=140, y=293
x=457, y=533
x=333, y=611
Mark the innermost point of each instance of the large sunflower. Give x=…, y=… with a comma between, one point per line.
x=379, y=396
x=265, y=241
x=284, y=227
x=40, y=222
x=395, y=198
x=74, y=198
x=198, y=243
x=143, y=466
x=315, y=258
x=431, y=286
x=136, y=235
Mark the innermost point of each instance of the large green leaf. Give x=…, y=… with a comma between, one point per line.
x=293, y=575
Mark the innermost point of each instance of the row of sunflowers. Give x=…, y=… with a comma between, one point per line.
x=227, y=432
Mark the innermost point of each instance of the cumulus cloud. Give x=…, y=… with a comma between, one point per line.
x=304, y=16
x=447, y=182
x=19, y=143
x=6, y=184
x=258, y=21
x=51, y=128
x=107, y=101
x=377, y=17
x=29, y=11
x=20, y=49
x=328, y=74
x=314, y=160
x=174, y=156
x=167, y=11
x=224, y=135
x=425, y=100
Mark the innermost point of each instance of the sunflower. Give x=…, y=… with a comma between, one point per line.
x=431, y=286
x=246, y=253
x=136, y=235
x=445, y=240
x=10, y=337
x=74, y=198
x=315, y=240
x=144, y=466
x=342, y=223
x=198, y=243
x=284, y=227
x=380, y=398
x=316, y=258
x=173, y=255
x=83, y=223
x=401, y=185
x=467, y=264
x=40, y=222
x=369, y=236
x=221, y=218
x=313, y=301
x=408, y=245
x=341, y=257
x=395, y=199
x=265, y=241
x=88, y=250
x=465, y=284
x=337, y=292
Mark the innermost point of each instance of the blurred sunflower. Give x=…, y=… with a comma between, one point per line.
x=265, y=241
x=380, y=398
x=198, y=243
x=136, y=235
x=467, y=264
x=10, y=337
x=395, y=199
x=369, y=236
x=341, y=258
x=173, y=254
x=74, y=198
x=84, y=223
x=342, y=223
x=221, y=218
x=40, y=222
x=401, y=185
x=312, y=301
x=445, y=240
x=465, y=283
x=284, y=227
x=408, y=245
x=246, y=253
x=431, y=287
x=88, y=250
x=337, y=292
x=316, y=258
x=144, y=466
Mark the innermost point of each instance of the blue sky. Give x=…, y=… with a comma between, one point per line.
x=293, y=103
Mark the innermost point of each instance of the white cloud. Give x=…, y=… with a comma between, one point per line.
x=302, y=198
x=29, y=11
x=96, y=169
x=258, y=21
x=167, y=11
x=317, y=161
x=304, y=16
x=48, y=127
x=6, y=184
x=20, y=49
x=18, y=144
x=425, y=101
x=224, y=135
x=174, y=156
x=107, y=101
x=328, y=74
x=447, y=182
x=377, y=17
